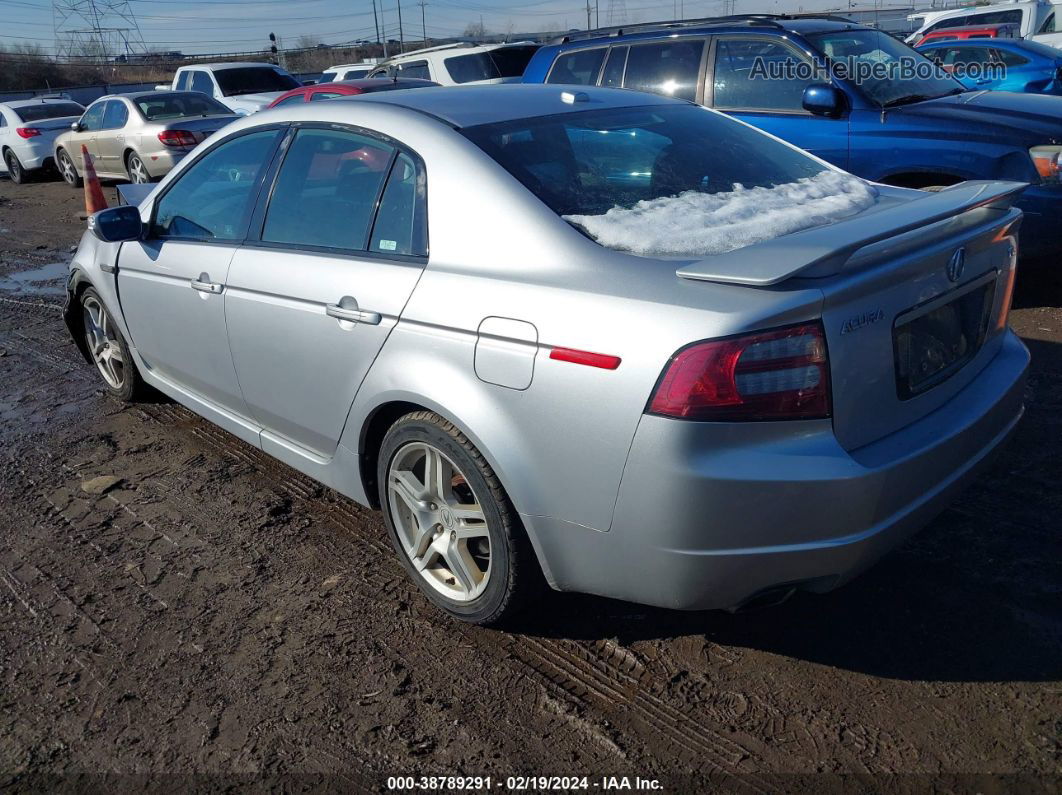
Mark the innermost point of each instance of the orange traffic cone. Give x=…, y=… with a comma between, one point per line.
x=94, y=201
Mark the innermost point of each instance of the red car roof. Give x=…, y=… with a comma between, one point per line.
x=350, y=87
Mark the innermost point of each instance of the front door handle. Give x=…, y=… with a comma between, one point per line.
x=352, y=314
x=204, y=285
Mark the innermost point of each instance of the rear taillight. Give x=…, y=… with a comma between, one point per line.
x=782, y=374
x=27, y=132
x=177, y=138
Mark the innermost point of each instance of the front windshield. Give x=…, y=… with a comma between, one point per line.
x=669, y=180
x=886, y=70
x=254, y=80
x=171, y=105
x=50, y=110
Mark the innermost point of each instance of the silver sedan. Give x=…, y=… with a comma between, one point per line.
x=139, y=136
x=610, y=341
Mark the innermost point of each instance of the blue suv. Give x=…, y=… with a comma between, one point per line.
x=850, y=94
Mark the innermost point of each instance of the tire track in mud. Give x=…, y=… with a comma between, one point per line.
x=599, y=673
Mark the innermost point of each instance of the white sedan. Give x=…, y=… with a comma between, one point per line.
x=28, y=129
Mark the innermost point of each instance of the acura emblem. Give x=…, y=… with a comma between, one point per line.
x=957, y=264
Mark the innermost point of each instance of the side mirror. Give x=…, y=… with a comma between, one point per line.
x=75, y=126
x=823, y=100
x=116, y=224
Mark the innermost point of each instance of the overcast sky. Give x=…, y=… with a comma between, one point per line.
x=234, y=25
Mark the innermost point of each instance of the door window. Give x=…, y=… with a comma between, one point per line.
x=1011, y=59
x=201, y=82
x=1049, y=25
x=93, y=118
x=417, y=69
x=577, y=68
x=212, y=199
x=326, y=191
x=613, y=74
x=115, y=115
x=670, y=68
x=300, y=97
x=400, y=226
x=751, y=74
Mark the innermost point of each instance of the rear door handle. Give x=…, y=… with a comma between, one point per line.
x=352, y=315
x=204, y=286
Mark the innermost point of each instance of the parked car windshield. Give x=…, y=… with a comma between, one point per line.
x=49, y=110
x=172, y=105
x=886, y=70
x=589, y=162
x=503, y=62
x=252, y=80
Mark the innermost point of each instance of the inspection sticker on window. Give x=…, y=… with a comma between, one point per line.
x=388, y=245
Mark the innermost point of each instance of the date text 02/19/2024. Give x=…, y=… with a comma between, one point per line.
x=521, y=783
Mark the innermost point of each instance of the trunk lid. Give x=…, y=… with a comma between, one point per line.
x=913, y=291
x=200, y=126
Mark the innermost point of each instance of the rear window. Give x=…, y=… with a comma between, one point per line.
x=503, y=62
x=170, y=105
x=253, y=80
x=50, y=110
x=669, y=180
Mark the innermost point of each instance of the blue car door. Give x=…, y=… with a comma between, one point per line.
x=761, y=80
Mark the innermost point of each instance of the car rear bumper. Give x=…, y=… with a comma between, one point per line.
x=718, y=515
x=160, y=163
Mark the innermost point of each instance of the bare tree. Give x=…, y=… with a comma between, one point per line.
x=475, y=30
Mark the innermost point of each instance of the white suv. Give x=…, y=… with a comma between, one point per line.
x=460, y=63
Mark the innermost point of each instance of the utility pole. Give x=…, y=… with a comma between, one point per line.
x=375, y=21
x=401, y=35
x=383, y=28
x=423, y=23
x=588, y=26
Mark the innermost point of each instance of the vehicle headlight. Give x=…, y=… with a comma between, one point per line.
x=1048, y=162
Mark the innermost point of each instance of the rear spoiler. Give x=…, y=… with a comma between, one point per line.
x=134, y=193
x=826, y=248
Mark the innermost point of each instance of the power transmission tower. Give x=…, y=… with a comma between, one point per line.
x=97, y=28
x=617, y=12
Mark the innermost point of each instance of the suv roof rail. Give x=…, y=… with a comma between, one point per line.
x=767, y=20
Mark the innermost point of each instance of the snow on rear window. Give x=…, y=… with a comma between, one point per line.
x=701, y=224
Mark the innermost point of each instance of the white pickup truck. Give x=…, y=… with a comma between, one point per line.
x=243, y=87
x=1036, y=19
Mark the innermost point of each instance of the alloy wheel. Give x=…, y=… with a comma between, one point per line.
x=137, y=171
x=66, y=168
x=440, y=522
x=103, y=342
x=14, y=168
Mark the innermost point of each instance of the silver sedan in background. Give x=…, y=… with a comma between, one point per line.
x=610, y=340
x=140, y=136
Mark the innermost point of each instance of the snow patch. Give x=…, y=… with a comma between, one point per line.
x=701, y=224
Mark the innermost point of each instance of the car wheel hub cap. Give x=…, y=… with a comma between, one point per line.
x=102, y=344
x=439, y=521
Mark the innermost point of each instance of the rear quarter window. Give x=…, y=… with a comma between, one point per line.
x=578, y=67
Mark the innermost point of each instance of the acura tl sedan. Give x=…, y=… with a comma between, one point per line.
x=611, y=341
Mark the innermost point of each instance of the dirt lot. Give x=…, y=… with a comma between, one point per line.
x=218, y=620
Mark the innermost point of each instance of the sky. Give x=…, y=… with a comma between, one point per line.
x=216, y=26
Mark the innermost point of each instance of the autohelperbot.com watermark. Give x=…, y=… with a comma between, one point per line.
x=868, y=70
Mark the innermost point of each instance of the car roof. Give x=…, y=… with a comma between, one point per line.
x=467, y=106
x=339, y=66
x=374, y=82
x=25, y=103
x=753, y=23
x=217, y=67
x=455, y=48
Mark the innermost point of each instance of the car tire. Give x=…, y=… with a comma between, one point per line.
x=67, y=170
x=108, y=349
x=511, y=576
x=15, y=172
x=137, y=171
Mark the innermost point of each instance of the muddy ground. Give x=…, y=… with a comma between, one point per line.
x=218, y=620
